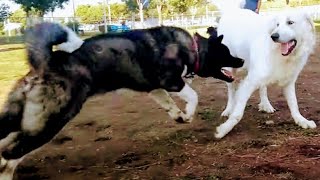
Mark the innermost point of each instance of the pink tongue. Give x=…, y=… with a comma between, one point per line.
x=285, y=48
x=226, y=72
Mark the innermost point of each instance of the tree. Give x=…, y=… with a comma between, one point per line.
x=159, y=5
x=140, y=4
x=182, y=6
x=41, y=6
x=4, y=12
x=119, y=10
x=179, y=6
x=89, y=14
x=18, y=16
x=93, y=14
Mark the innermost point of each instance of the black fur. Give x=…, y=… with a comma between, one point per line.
x=141, y=60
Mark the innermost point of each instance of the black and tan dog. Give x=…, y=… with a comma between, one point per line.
x=59, y=82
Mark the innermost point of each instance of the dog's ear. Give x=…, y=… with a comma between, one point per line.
x=220, y=38
x=308, y=18
x=309, y=21
x=196, y=36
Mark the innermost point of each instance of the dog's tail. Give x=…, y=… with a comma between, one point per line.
x=42, y=37
x=228, y=5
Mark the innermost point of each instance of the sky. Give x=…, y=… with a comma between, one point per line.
x=68, y=7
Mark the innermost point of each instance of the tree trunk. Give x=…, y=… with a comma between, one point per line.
x=159, y=8
x=28, y=20
x=109, y=13
x=41, y=13
x=193, y=13
x=141, y=14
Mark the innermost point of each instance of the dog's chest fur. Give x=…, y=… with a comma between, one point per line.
x=283, y=70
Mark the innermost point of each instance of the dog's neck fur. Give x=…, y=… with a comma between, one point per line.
x=203, y=69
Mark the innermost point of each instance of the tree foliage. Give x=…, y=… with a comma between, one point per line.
x=4, y=12
x=41, y=6
x=93, y=14
x=182, y=6
x=133, y=5
x=119, y=10
x=18, y=16
x=90, y=14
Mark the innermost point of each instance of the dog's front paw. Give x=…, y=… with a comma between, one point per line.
x=184, y=119
x=266, y=107
x=306, y=124
x=226, y=127
x=222, y=130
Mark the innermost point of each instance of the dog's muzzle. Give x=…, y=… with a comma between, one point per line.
x=275, y=37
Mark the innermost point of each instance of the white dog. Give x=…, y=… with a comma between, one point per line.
x=275, y=49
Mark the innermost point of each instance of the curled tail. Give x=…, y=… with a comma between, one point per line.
x=42, y=37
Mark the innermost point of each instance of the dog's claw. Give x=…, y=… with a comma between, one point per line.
x=306, y=124
x=222, y=131
x=266, y=108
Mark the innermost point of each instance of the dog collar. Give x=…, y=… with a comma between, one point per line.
x=196, y=55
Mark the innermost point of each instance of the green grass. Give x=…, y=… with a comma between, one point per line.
x=12, y=66
x=10, y=40
x=317, y=24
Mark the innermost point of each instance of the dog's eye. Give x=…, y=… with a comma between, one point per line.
x=290, y=22
x=277, y=24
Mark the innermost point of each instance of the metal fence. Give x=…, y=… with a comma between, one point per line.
x=14, y=31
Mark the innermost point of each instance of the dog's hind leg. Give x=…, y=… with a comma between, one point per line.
x=290, y=95
x=231, y=92
x=190, y=96
x=163, y=98
x=265, y=104
x=8, y=167
x=10, y=122
x=28, y=139
x=10, y=118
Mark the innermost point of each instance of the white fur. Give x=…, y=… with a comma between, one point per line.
x=73, y=42
x=229, y=5
x=162, y=97
x=191, y=98
x=248, y=36
x=8, y=168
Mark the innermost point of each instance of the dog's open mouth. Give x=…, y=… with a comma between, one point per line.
x=287, y=48
x=227, y=74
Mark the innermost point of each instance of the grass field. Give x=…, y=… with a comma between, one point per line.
x=12, y=66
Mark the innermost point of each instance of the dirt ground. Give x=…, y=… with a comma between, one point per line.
x=126, y=135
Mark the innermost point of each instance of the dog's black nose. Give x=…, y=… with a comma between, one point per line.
x=275, y=36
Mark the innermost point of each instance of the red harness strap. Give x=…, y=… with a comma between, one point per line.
x=196, y=55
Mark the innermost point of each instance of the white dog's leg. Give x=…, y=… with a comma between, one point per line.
x=231, y=92
x=163, y=98
x=290, y=94
x=7, y=168
x=190, y=96
x=265, y=104
x=246, y=88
